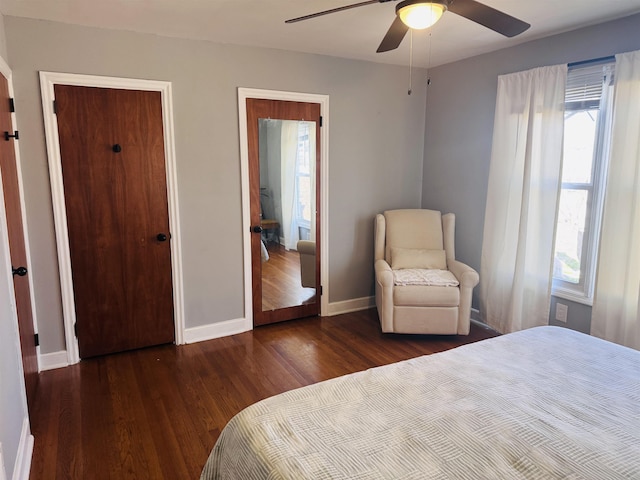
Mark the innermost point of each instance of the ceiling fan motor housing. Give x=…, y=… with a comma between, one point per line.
x=405, y=3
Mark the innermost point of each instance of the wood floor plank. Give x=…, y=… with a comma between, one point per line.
x=157, y=412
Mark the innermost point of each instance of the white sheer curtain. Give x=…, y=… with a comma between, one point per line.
x=289, y=149
x=312, y=172
x=616, y=307
x=524, y=184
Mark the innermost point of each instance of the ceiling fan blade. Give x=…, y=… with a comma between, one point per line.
x=489, y=17
x=394, y=36
x=333, y=10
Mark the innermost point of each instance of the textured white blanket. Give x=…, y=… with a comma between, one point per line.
x=545, y=403
x=422, y=276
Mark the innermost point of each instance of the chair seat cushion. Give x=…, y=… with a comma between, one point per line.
x=426, y=296
x=422, y=276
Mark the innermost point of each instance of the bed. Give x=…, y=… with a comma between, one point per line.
x=542, y=403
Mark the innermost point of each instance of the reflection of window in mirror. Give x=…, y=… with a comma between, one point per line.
x=303, y=182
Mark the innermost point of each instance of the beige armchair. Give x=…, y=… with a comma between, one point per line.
x=307, y=251
x=414, y=258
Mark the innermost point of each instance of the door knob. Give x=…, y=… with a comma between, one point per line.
x=256, y=229
x=20, y=271
x=161, y=237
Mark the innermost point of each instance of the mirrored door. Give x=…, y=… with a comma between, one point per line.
x=284, y=153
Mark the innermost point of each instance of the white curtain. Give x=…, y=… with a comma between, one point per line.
x=616, y=307
x=312, y=171
x=524, y=184
x=289, y=153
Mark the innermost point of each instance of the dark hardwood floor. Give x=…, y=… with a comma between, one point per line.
x=281, y=284
x=156, y=413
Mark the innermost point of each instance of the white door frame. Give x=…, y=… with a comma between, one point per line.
x=47, y=82
x=323, y=100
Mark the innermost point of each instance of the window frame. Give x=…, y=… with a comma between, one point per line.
x=304, y=150
x=583, y=291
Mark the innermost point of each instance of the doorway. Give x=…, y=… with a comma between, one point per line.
x=284, y=138
x=116, y=226
x=11, y=187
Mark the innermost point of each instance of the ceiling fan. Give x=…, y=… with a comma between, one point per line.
x=420, y=14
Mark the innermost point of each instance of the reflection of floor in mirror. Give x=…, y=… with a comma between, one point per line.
x=281, y=285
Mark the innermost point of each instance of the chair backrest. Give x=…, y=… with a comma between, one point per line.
x=413, y=228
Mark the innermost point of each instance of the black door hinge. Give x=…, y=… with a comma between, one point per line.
x=75, y=329
x=55, y=108
x=36, y=339
x=320, y=290
x=12, y=105
x=320, y=120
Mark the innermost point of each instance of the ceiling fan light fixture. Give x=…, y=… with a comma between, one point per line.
x=420, y=15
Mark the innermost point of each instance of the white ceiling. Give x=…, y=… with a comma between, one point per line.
x=354, y=33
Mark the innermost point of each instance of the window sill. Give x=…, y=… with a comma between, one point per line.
x=575, y=297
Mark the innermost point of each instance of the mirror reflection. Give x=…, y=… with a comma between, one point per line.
x=287, y=202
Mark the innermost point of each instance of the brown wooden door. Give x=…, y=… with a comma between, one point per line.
x=11, y=188
x=113, y=168
x=258, y=109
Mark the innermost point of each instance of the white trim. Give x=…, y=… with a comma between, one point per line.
x=323, y=100
x=238, y=325
x=353, y=305
x=6, y=72
x=572, y=296
x=22, y=466
x=47, y=82
x=215, y=330
x=53, y=360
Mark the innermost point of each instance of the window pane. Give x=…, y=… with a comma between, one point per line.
x=304, y=198
x=572, y=215
x=579, y=142
x=303, y=173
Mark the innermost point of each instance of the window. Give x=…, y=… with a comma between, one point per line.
x=303, y=176
x=586, y=145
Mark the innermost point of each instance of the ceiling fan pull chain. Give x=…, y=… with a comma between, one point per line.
x=429, y=61
x=410, y=58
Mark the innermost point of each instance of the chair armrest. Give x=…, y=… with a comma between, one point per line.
x=384, y=274
x=466, y=275
x=306, y=247
x=384, y=294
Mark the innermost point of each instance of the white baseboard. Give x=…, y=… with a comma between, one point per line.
x=239, y=325
x=216, y=330
x=353, y=305
x=475, y=315
x=25, y=451
x=49, y=361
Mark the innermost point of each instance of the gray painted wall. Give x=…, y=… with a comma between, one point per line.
x=13, y=403
x=459, y=126
x=375, y=156
x=3, y=40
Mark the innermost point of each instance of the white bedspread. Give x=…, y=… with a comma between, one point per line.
x=538, y=404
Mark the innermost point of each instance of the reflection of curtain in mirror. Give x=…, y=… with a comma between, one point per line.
x=289, y=151
x=312, y=171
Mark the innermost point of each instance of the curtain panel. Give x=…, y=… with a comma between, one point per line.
x=522, y=197
x=288, y=157
x=616, y=306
